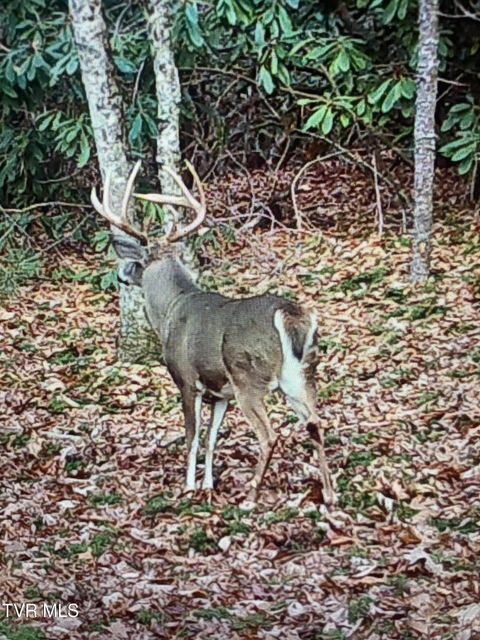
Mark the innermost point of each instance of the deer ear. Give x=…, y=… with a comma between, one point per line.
x=128, y=248
x=130, y=273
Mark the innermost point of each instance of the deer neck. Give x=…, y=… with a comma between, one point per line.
x=165, y=282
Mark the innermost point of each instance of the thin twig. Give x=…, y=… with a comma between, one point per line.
x=377, y=194
x=38, y=205
x=465, y=13
x=298, y=217
x=137, y=82
x=283, y=156
x=358, y=161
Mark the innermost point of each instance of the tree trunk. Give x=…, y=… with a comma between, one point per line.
x=105, y=105
x=160, y=18
x=425, y=137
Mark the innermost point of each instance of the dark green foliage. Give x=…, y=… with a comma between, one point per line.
x=254, y=75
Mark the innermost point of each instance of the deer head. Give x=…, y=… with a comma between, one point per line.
x=133, y=246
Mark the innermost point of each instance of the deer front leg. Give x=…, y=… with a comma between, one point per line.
x=192, y=409
x=218, y=412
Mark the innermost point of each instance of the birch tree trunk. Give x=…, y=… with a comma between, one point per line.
x=105, y=106
x=159, y=15
x=425, y=137
x=160, y=18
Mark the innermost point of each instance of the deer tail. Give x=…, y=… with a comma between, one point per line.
x=297, y=331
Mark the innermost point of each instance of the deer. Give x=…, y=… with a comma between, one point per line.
x=218, y=349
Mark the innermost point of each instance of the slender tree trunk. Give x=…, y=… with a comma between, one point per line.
x=105, y=105
x=160, y=18
x=425, y=137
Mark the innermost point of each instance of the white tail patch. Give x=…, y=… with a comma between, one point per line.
x=292, y=379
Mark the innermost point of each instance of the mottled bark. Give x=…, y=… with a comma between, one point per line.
x=105, y=107
x=159, y=15
x=159, y=18
x=425, y=137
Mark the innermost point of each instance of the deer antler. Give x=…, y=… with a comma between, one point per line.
x=121, y=221
x=187, y=200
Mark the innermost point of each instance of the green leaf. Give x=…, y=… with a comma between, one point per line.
x=259, y=34
x=285, y=21
x=449, y=148
x=377, y=95
x=467, y=120
x=319, y=53
x=151, y=124
x=457, y=108
x=274, y=64
x=361, y=107
x=316, y=118
x=231, y=15
x=327, y=122
x=293, y=3
x=84, y=156
x=124, y=65
x=461, y=154
x=408, y=88
x=191, y=13
x=343, y=61
x=9, y=91
x=402, y=9
x=193, y=29
x=391, y=98
x=266, y=80
x=72, y=66
x=45, y=122
x=71, y=135
x=390, y=11
x=136, y=128
x=466, y=165
x=284, y=74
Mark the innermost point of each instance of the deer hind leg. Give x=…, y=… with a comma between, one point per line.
x=218, y=412
x=301, y=395
x=192, y=409
x=252, y=405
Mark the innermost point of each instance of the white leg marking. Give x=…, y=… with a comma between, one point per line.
x=218, y=414
x=192, y=455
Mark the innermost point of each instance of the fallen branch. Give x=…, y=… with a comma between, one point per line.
x=298, y=217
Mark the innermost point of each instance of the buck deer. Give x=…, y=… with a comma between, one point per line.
x=217, y=348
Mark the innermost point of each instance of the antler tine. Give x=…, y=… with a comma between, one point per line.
x=128, y=189
x=192, y=202
x=105, y=211
x=97, y=205
x=199, y=207
x=198, y=183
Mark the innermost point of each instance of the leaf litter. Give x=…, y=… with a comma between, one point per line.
x=93, y=458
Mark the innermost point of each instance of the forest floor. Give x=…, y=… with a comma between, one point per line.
x=93, y=462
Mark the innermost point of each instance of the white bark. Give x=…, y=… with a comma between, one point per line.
x=425, y=137
x=159, y=15
x=159, y=18
x=105, y=105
